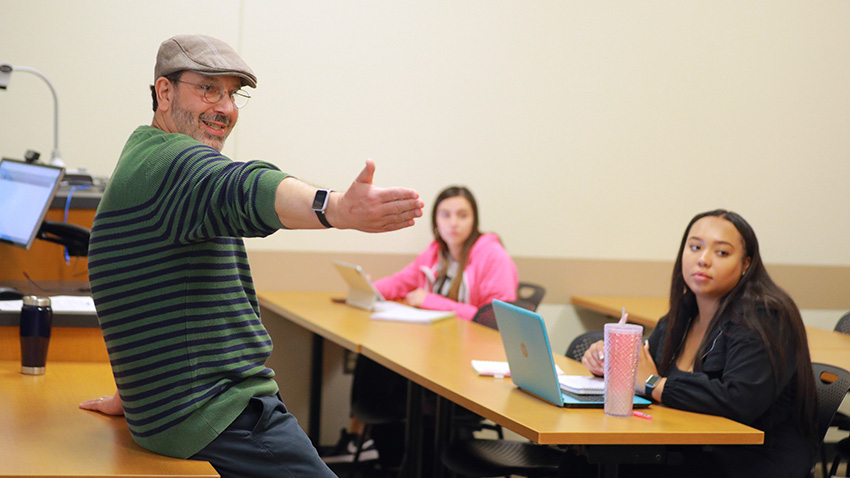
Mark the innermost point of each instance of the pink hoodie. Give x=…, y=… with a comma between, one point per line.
x=490, y=274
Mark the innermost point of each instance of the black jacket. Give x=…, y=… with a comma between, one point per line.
x=737, y=381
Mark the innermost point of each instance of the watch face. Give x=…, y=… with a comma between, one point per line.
x=652, y=380
x=320, y=200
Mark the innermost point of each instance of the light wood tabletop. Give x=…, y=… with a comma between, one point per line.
x=438, y=357
x=644, y=311
x=825, y=346
x=43, y=433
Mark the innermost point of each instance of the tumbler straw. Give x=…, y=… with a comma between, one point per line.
x=623, y=316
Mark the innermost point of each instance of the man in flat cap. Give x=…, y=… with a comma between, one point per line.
x=170, y=276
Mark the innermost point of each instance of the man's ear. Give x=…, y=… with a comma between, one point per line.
x=164, y=93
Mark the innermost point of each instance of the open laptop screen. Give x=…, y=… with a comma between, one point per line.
x=26, y=191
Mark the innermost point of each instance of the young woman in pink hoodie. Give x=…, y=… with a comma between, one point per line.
x=462, y=269
x=432, y=282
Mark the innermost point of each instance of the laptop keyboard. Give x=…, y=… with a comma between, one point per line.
x=584, y=398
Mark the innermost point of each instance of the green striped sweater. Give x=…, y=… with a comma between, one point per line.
x=173, y=289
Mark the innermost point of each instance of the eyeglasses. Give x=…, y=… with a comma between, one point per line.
x=214, y=93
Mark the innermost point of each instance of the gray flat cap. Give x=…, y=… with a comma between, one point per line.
x=204, y=54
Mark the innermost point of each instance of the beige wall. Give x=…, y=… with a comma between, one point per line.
x=588, y=130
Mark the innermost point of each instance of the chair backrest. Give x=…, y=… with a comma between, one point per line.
x=485, y=316
x=528, y=296
x=832, y=384
x=843, y=324
x=582, y=342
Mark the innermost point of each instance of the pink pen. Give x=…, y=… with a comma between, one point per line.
x=641, y=415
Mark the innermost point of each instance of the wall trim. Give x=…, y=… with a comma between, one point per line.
x=811, y=287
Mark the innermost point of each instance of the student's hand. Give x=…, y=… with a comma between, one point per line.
x=109, y=405
x=646, y=367
x=594, y=358
x=416, y=297
x=372, y=209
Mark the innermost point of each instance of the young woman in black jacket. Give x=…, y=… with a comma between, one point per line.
x=732, y=344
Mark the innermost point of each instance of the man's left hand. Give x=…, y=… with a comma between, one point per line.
x=368, y=208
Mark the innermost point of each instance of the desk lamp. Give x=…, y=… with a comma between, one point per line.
x=6, y=74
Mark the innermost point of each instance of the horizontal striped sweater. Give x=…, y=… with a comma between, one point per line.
x=173, y=290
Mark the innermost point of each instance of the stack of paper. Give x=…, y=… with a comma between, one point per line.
x=59, y=304
x=583, y=385
x=492, y=368
x=405, y=313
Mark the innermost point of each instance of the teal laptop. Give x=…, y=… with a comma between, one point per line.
x=530, y=359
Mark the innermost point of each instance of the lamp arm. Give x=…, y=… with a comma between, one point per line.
x=55, y=158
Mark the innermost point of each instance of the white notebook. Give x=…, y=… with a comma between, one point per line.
x=405, y=313
x=494, y=368
x=582, y=384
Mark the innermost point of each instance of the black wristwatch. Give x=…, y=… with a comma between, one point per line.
x=650, y=384
x=320, y=204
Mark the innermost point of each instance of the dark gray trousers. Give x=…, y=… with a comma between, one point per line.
x=265, y=441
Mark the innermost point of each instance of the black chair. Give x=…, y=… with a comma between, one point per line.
x=484, y=458
x=832, y=385
x=378, y=397
x=581, y=343
x=840, y=420
x=377, y=392
x=528, y=296
x=843, y=324
x=464, y=422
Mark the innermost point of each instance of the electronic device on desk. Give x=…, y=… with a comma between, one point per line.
x=8, y=293
x=78, y=177
x=26, y=191
x=361, y=292
x=530, y=360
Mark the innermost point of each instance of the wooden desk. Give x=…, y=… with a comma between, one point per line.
x=437, y=357
x=43, y=433
x=825, y=346
x=644, y=311
x=439, y=360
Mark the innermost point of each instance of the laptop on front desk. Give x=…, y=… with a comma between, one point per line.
x=530, y=359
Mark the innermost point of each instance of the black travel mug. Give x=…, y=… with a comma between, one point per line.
x=36, y=321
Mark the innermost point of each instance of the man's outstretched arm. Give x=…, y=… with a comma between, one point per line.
x=362, y=206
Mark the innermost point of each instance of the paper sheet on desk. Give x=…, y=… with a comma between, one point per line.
x=583, y=385
x=492, y=368
x=405, y=313
x=59, y=303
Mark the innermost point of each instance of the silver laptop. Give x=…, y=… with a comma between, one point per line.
x=361, y=292
x=530, y=359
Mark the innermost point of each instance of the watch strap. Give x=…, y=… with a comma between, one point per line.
x=323, y=219
x=320, y=203
x=650, y=384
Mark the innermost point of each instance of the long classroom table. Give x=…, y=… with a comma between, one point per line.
x=43, y=433
x=825, y=346
x=437, y=357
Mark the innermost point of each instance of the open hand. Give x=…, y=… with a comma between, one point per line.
x=368, y=208
x=107, y=404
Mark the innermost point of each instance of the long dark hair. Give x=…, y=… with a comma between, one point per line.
x=450, y=192
x=780, y=329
